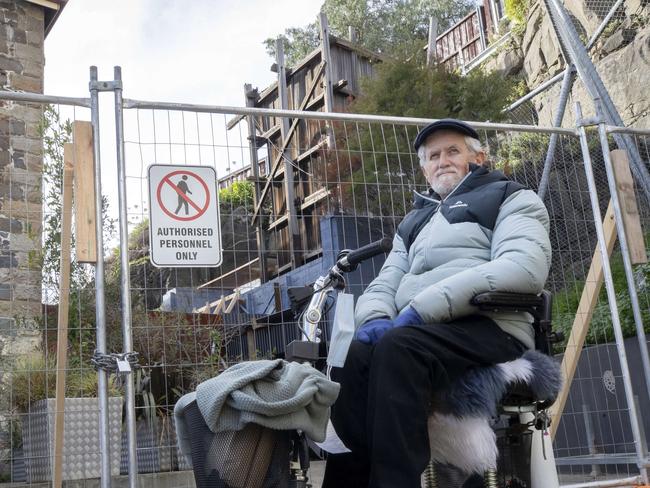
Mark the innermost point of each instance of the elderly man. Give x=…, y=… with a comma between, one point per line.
x=475, y=231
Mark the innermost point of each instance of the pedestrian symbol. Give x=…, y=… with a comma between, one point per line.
x=176, y=198
x=184, y=221
x=182, y=199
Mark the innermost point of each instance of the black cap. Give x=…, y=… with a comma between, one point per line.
x=444, y=124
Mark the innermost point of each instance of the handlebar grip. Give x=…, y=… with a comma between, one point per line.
x=370, y=250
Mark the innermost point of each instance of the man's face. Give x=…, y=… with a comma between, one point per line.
x=447, y=159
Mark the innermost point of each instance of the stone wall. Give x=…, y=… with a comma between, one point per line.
x=21, y=162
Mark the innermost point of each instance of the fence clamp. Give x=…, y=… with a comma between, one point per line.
x=121, y=364
x=105, y=85
x=589, y=121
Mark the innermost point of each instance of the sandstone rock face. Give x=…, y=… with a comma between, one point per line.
x=625, y=74
x=509, y=62
x=542, y=56
x=588, y=14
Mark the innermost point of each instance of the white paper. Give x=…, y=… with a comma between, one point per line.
x=342, y=330
x=332, y=443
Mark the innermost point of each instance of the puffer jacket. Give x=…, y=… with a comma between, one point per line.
x=489, y=234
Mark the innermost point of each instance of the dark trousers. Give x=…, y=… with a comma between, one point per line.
x=386, y=391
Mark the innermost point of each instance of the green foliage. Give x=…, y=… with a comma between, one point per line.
x=517, y=10
x=523, y=150
x=139, y=235
x=34, y=378
x=600, y=328
x=611, y=28
x=411, y=90
x=298, y=42
x=398, y=28
x=239, y=194
x=527, y=151
x=55, y=133
x=639, y=20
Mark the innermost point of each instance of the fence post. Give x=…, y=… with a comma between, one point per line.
x=609, y=282
x=125, y=276
x=625, y=251
x=591, y=438
x=100, y=304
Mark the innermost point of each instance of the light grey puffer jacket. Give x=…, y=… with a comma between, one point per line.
x=489, y=234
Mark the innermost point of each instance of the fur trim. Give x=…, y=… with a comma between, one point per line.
x=546, y=381
x=468, y=443
x=459, y=431
x=479, y=392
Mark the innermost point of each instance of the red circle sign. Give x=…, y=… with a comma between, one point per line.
x=182, y=194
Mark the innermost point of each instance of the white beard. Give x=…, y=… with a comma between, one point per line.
x=444, y=185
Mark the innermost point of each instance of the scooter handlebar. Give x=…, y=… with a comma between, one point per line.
x=352, y=258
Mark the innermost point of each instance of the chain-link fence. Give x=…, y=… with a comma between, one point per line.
x=354, y=180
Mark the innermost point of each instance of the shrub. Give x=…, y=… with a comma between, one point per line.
x=517, y=10
x=239, y=194
x=601, y=329
x=34, y=378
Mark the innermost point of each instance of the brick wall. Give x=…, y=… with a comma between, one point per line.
x=21, y=162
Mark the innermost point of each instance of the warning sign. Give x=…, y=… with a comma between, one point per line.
x=184, y=224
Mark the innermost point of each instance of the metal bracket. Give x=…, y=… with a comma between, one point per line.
x=105, y=85
x=589, y=121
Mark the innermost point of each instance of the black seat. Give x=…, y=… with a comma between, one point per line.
x=539, y=306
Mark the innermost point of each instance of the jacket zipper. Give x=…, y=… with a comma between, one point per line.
x=440, y=202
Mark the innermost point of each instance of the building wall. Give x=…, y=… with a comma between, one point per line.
x=21, y=163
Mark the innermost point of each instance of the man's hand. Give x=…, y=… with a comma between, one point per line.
x=373, y=330
x=408, y=316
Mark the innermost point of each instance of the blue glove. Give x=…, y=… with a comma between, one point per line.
x=408, y=316
x=371, y=331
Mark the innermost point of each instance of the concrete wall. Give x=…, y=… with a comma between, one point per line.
x=21, y=162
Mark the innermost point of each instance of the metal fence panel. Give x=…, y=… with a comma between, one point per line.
x=190, y=324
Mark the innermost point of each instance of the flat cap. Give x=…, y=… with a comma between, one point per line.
x=444, y=124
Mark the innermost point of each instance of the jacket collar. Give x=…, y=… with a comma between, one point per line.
x=478, y=176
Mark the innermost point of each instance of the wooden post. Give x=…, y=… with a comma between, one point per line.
x=355, y=78
x=251, y=98
x=277, y=297
x=285, y=141
x=84, y=191
x=588, y=300
x=252, y=347
x=62, y=330
x=629, y=209
x=431, y=45
x=327, y=59
x=289, y=190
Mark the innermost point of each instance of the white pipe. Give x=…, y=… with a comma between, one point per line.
x=543, y=473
